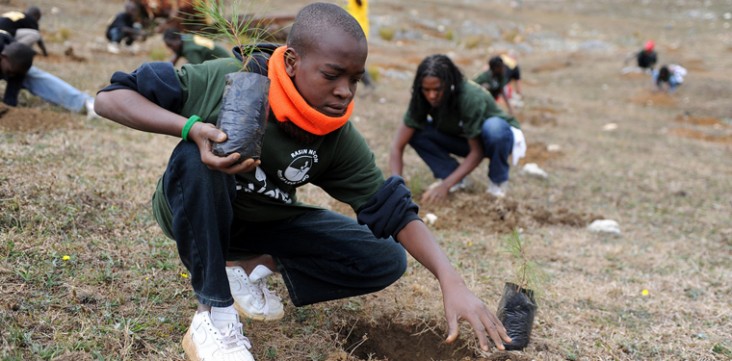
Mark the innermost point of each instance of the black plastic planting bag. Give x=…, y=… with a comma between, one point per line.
x=516, y=311
x=243, y=115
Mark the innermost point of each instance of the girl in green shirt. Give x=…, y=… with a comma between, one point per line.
x=449, y=115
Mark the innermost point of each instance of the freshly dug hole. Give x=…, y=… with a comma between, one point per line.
x=392, y=341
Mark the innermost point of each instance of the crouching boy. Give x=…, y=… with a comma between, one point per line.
x=237, y=221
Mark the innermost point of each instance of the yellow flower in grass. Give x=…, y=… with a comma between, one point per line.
x=184, y=275
x=66, y=257
x=644, y=292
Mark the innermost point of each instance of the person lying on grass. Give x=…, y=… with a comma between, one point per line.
x=23, y=26
x=16, y=68
x=236, y=221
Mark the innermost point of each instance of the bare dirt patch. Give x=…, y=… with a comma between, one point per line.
x=32, y=120
x=508, y=356
x=483, y=211
x=695, y=65
x=392, y=341
x=538, y=152
x=552, y=65
x=635, y=75
x=71, y=55
x=539, y=117
x=702, y=135
x=654, y=98
x=704, y=128
x=703, y=121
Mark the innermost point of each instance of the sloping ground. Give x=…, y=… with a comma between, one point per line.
x=660, y=290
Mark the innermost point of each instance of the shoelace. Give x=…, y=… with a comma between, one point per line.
x=262, y=293
x=232, y=337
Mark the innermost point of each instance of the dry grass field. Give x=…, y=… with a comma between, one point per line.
x=86, y=274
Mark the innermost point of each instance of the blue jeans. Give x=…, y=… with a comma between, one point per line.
x=116, y=35
x=54, y=90
x=321, y=255
x=437, y=148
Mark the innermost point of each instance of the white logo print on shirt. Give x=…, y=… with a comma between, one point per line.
x=262, y=187
x=297, y=171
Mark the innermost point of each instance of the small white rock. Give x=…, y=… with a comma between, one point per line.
x=604, y=226
x=553, y=148
x=610, y=127
x=431, y=218
x=533, y=169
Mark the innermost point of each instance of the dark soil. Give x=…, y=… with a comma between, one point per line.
x=35, y=120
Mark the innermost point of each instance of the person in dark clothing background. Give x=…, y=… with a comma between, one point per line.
x=23, y=26
x=125, y=26
x=15, y=61
x=646, y=59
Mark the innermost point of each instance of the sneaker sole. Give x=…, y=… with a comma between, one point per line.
x=189, y=347
x=257, y=317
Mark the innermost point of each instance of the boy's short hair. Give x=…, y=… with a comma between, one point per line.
x=20, y=57
x=315, y=20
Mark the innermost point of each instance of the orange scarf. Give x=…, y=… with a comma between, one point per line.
x=287, y=103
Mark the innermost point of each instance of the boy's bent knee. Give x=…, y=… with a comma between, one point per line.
x=185, y=167
x=395, y=264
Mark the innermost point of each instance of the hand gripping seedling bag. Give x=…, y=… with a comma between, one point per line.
x=516, y=311
x=243, y=115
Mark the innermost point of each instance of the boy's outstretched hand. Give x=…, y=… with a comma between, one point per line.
x=204, y=134
x=461, y=304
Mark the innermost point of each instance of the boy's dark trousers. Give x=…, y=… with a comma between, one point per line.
x=322, y=255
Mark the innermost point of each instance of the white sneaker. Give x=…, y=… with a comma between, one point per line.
x=252, y=298
x=113, y=48
x=498, y=191
x=205, y=342
x=90, y=113
x=133, y=48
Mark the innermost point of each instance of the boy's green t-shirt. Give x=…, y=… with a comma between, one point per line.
x=474, y=106
x=340, y=162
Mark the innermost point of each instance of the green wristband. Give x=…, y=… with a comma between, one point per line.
x=189, y=124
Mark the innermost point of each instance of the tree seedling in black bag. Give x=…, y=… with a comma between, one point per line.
x=245, y=102
x=517, y=306
x=243, y=115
